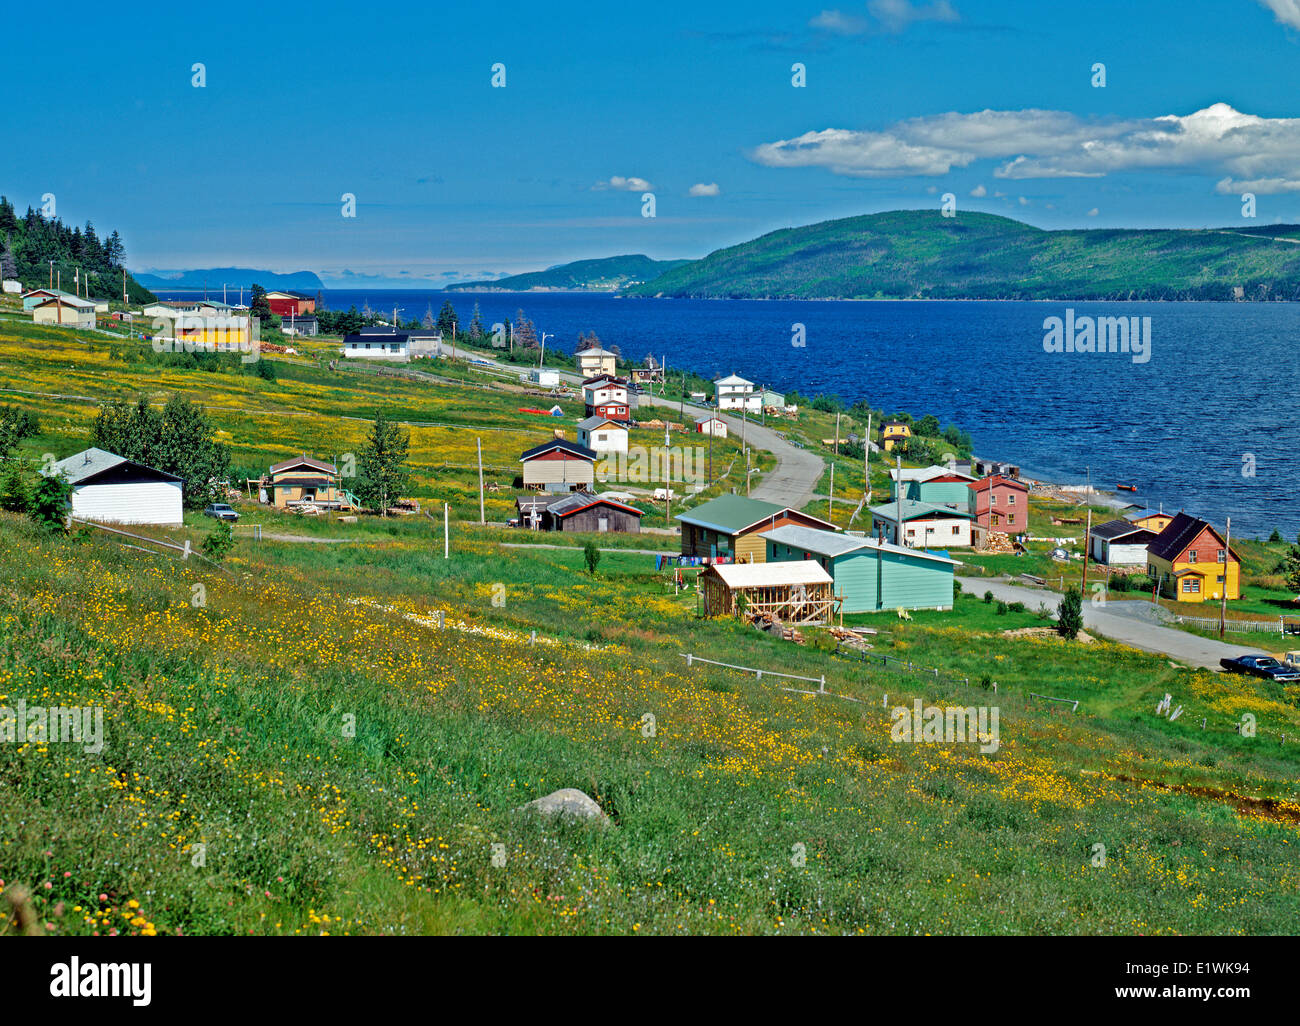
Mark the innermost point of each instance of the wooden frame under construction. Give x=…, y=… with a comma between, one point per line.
x=810, y=604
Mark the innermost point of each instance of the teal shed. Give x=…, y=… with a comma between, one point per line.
x=869, y=575
x=936, y=485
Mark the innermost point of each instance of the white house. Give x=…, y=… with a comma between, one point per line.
x=1119, y=543
x=715, y=426
x=394, y=348
x=735, y=393
x=66, y=310
x=11, y=287
x=772, y=400
x=596, y=361
x=926, y=525
x=601, y=434
x=111, y=488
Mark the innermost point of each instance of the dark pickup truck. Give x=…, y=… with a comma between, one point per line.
x=1261, y=666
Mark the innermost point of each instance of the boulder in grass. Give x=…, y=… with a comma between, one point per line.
x=568, y=801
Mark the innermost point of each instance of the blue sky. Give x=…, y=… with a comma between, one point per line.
x=905, y=101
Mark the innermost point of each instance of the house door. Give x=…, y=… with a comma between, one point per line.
x=603, y=524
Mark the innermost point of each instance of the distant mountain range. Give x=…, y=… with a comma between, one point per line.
x=234, y=277
x=919, y=254
x=607, y=274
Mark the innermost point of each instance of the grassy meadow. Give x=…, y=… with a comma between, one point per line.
x=295, y=745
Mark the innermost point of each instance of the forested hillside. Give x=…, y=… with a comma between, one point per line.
x=30, y=242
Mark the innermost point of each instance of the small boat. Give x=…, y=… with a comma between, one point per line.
x=1127, y=488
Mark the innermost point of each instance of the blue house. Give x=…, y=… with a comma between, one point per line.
x=868, y=575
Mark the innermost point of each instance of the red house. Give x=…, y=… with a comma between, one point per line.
x=606, y=396
x=291, y=304
x=1001, y=504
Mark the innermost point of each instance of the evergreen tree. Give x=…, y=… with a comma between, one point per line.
x=476, y=332
x=428, y=322
x=1292, y=568
x=381, y=464
x=1069, y=618
x=525, y=333
x=448, y=322
x=48, y=503
x=259, y=306
x=8, y=265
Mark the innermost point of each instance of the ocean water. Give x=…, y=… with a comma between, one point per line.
x=1206, y=424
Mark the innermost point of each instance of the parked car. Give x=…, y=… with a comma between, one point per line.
x=220, y=511
x=1261, y=666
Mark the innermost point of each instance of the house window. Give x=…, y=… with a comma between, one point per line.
x=1191, y=585
x=1223, y=556
x=1191, y=556
x=1011, y=519
x=956, y=528
x=993, y=499
x=1011, y=498
x=997, y=520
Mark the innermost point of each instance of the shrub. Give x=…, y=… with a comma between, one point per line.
x=219, y=541
x=15, y=492
x=988, y=596
x=1017, y=607
x=1069, y=618
x=1002, y=608
x=592, y=556
x=48, y=505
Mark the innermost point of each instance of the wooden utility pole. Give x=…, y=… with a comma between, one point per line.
x=866, y=461
x=898, y=491
x=668, y=478
x=446, y=530
x=1227, y=555
x=1087, y=547
x=830, y=513
x=481, y=518
x=746, y=473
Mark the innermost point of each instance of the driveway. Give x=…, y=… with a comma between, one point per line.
x=1125, y=625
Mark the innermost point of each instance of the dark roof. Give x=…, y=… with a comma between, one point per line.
x=1180, y=533
x=304, y=461
x=572, y=448
x=576, y=502
x=365, y=335
x=1114, y=529
x=985, y=483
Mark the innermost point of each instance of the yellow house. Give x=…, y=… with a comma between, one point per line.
x=303, y=481
x=1149, y=519
x=1192, y=563
x=191, y=331
x=893, y=433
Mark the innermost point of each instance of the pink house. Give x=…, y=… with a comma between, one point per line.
x=1001, y=504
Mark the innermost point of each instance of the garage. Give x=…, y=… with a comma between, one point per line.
x=112, y=489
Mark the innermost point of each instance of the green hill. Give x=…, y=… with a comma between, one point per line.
x=601, y=275
x=919, y=254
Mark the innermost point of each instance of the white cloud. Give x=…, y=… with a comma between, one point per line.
x=1252, y=151
x=1287, y=12
x=979, y=192
x=892, y=16
x=1093, y=212
x=624, y=184
x=701, y=189
x=1023, y=202
x=840, y=23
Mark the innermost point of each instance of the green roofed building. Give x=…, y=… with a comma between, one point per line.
x=729, y=528
x=868, y=575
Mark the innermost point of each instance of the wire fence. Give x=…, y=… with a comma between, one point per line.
x=1279, y=626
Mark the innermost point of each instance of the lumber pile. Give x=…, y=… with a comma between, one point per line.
x=770, y=624
x=849, y=636
x=999, y=541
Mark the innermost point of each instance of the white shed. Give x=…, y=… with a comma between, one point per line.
x=113, y=489
x=1119, y=543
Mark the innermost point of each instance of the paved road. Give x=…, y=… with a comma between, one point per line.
x=1120, y=625
x=789, y=483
